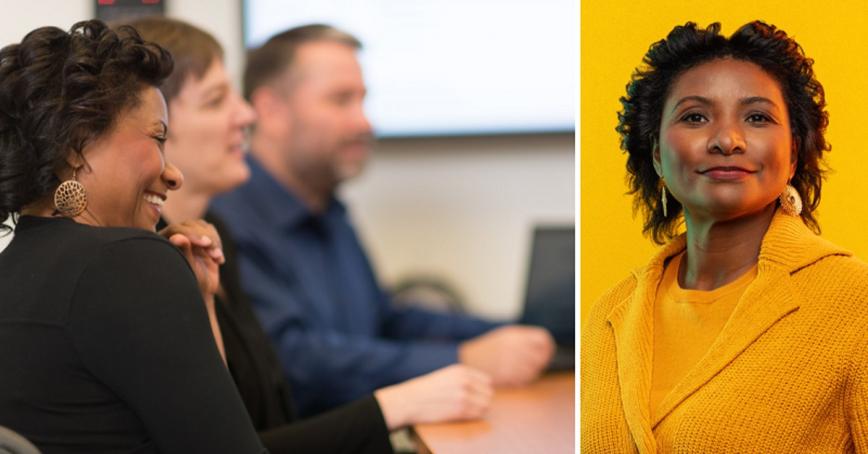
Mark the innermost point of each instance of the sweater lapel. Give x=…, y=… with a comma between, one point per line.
x=632, y=323
x=768, y=299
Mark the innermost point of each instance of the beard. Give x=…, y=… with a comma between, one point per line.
x=349, y=157
x=323, y=170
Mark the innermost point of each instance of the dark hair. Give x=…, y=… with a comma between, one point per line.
x=688, y=46
x=193, y=49
x=60, y=91
x=273, y=57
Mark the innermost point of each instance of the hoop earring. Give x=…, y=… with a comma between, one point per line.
x=790, y=201
x=663, y=201
x=70, y=198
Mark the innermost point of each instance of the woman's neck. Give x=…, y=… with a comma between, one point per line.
x=718, y=252
x=42, y=208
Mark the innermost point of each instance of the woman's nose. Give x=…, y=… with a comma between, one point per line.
x=173, y=177
x=728, y=139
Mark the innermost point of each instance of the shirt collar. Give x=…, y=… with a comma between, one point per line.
x=278, y=204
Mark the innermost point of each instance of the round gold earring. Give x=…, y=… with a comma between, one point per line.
x=790, y=200
x=70, y=198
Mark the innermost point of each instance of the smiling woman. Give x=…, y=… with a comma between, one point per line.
x=748, y=330
x=128, y=189
x=104, y=337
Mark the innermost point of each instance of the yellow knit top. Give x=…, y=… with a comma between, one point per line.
x=787, y=373
x=686, y=323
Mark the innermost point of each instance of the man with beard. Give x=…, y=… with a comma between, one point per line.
x=335, y=331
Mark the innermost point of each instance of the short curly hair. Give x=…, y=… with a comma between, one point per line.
x=687, y=46
x=61, y=91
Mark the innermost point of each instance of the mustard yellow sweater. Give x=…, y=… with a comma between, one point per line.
x=788, y=372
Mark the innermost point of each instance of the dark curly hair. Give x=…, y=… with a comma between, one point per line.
x=59, y=92
x=687, y=46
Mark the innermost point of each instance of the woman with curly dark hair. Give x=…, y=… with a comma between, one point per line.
x=105, y=343
x=747, y=332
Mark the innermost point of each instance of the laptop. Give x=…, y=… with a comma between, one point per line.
x=550, y=295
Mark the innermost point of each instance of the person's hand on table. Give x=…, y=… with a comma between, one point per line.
x=455, y=392
x=513, y=355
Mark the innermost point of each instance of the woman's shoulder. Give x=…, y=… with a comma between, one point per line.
x=834, y=290
x=61, y=247
x=68, y=236
x=50, y=261
x=836, y=269
x=114, y=251
x=842, y=277
x=111, y=251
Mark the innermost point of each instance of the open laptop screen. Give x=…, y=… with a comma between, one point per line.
x=550, y=299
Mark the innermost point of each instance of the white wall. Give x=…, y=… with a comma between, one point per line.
x=19, y=17
x=464, y=209
x=220, y=17
x=460, y=208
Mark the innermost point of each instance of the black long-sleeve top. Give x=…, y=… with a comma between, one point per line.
x=105, y=346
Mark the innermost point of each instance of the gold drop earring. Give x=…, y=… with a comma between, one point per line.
x=663, y=196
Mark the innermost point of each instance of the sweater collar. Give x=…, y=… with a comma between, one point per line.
x=787, y=246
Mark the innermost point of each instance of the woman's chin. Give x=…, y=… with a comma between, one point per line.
x=723, y=212
x=148, y=218
x=231, y=179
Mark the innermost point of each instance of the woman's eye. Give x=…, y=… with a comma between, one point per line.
x=694, y=117
x=214, y=102
x=758, y=118
x=342, y=99
x=161, y=141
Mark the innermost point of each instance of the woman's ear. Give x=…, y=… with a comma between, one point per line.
x=794, y=157
x=655, y=156
x=74, y=161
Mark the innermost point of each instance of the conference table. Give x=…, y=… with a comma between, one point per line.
x=536, y=419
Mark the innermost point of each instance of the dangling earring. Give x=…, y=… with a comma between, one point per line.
x=70, y=198
x=790, y=200
x=663, y=196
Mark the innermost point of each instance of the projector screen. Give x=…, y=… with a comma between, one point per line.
x=450, y=67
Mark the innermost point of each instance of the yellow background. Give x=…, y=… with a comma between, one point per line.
x=615, y=36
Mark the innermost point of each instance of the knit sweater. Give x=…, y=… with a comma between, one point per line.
x=788, y=372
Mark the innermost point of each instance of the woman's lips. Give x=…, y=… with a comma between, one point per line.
x=155, y=201
x=236, y=149
x=726, y=173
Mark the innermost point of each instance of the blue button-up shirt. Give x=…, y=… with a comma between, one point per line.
x=316, y=294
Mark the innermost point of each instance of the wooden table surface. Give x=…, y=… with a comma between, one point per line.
x=536, y=419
